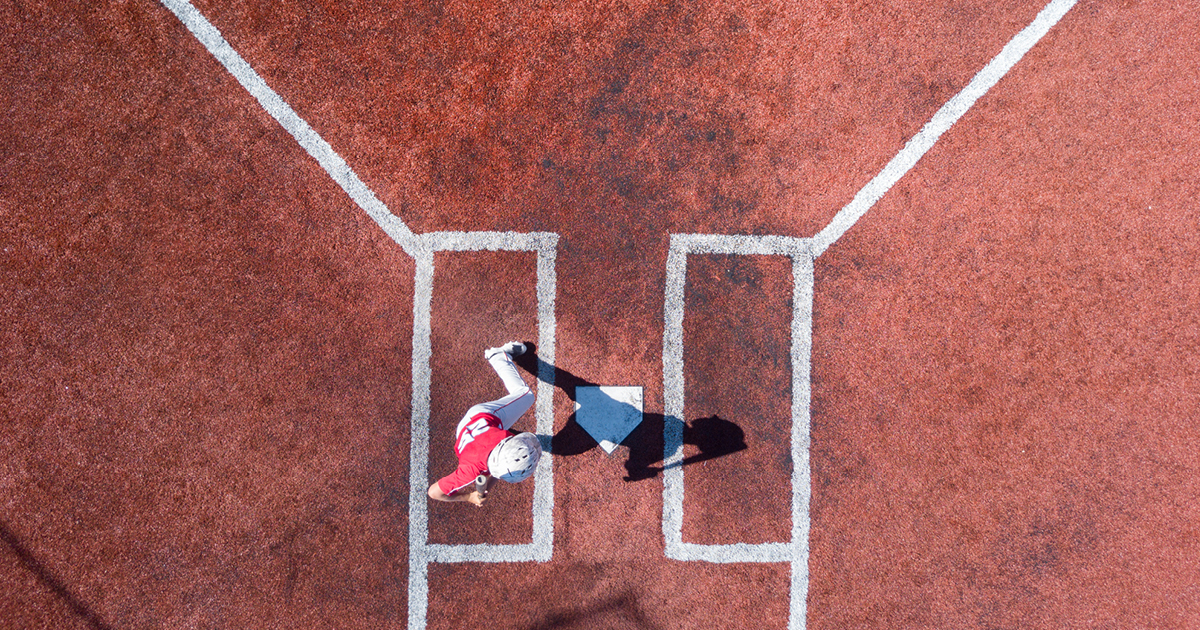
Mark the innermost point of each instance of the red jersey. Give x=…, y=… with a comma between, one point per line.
x=473, y=445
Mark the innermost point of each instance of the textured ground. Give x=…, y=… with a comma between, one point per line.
x=206, y=346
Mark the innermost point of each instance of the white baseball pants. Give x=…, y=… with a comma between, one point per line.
x=510, y=408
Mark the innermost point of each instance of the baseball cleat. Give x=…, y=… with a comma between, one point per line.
x=512, y=349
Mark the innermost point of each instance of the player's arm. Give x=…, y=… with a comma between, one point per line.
x=468, y=494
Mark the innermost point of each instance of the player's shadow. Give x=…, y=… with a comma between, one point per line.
x=712, y=436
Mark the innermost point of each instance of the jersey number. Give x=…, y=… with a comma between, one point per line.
x=471, y=431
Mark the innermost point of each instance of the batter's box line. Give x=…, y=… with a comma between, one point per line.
x=484, y=552
x=540, y=242
x=796, y=551
x=763, y=553
x=544, y=245
x=421, y=552
x=799, y=250
x=743, y=245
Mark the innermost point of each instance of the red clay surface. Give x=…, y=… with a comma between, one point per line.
x=206, y=373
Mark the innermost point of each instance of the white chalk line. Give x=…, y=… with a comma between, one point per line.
x=418, y=454
x=313, y=143
x=484, y=552
x=803, y=253
x=945, y=118
x=742, y=244
x=802, y=301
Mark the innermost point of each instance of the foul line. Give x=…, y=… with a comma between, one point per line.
x=317, y=147
x=945, y=118
x=803, y=253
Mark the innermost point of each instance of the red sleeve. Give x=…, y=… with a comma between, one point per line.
x=461, y=478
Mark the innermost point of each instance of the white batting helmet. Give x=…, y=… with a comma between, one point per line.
x=515, y=457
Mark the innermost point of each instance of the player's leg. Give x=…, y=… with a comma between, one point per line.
x=501, y=361
x=509, y=409
x=519, y=399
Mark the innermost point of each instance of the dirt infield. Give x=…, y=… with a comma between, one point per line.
x=214, y=358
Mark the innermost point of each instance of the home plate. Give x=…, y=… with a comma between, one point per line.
x=608, y=413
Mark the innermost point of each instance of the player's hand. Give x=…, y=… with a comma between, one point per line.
x=476, y=498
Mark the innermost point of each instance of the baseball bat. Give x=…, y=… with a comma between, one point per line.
x=481, y=483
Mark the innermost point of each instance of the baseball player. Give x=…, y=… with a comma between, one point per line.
x=483, y=441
